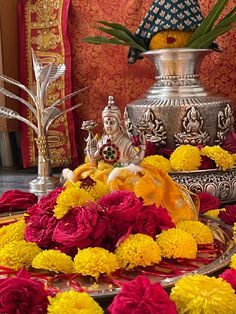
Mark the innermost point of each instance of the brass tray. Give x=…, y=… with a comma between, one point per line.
x=210, y=259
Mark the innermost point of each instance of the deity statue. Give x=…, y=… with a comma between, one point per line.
x=114, y=147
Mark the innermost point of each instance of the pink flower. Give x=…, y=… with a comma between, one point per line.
x=139, y=296
x=229, y=275
x=121, y=205
x=22, y=295
x=16, y=200
x=82, y=227
x=230, y=143
x=152, y=220
x=229, y=215
x=208, y=201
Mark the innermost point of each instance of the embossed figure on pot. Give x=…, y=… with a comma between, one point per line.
x=114, y=147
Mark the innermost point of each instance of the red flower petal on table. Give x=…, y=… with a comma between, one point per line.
x=16, y=200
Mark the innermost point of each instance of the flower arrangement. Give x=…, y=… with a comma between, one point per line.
x=100, y=240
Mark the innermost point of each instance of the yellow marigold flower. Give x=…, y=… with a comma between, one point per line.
x=53, y=260
x=201, y=233
x=72, y=196
x=185, y=158
x=213, y=213
x=157, y=161
x=73, y=302
x=138, y=250
x=18, y=254
x=234, y=157
x=177, y=243
x=98, y=190
x=200, y=294
x=170, y=39
x=12, y=232
x=94, y=261
x=221, y=157
x=233, y=262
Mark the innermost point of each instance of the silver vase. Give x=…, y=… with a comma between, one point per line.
x=178, y=109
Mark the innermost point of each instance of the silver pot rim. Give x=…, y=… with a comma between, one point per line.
x=174, y=50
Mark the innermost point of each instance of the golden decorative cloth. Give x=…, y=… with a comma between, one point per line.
x=43, y=27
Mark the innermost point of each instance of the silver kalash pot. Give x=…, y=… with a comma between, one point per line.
x=178, y=109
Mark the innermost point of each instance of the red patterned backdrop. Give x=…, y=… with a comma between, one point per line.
x=105, y=70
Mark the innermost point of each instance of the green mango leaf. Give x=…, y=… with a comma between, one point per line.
x=228, y=19
x=116, y=33
x=209, y=21
x=98, y=40
x=205, y=40
x=126, y=30
x=119, y=35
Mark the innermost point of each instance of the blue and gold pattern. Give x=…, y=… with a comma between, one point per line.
x=170, y=15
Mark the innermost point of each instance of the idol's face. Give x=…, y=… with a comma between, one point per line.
x=110, y=125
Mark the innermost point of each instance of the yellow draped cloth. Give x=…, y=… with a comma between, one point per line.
x=153, y=185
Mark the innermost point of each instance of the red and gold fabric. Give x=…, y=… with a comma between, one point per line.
x=43, y=28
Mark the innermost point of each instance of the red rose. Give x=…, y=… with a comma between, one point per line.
x=208, y=202
x=82, y=227
x=229, y=215
x=22, y=295
x=139, y=296
x=39, y=229
x=207, y=163
x=229, y=275
x=121, y=205
x=40, y=220
x=230, y=143
x=47, y=203
x=152, y=220
x=16, y=200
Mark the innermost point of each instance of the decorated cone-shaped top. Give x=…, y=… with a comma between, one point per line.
x=182, y=15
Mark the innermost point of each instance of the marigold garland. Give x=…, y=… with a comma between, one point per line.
x=199, y=294
x=73, y=302
x=177, y=243
x=138, y=250
x=157, y=161
x=18, y=254
x=185, y=158
x=95, y=261
x=12, y=232
x=72, y=196
x=223, y=159
x=233, y=262
x=53, y=260
x=201, y=233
